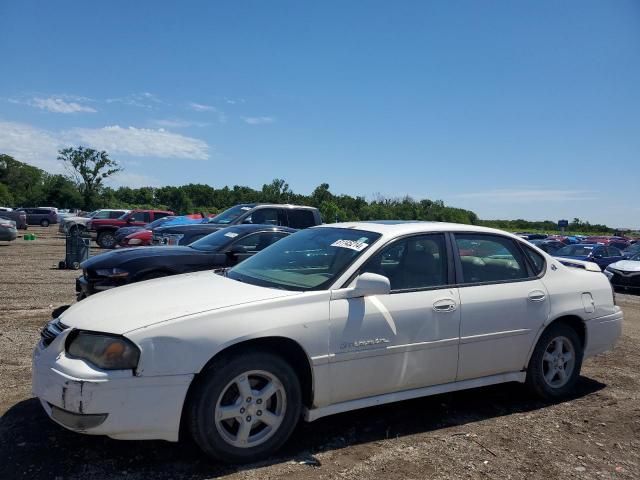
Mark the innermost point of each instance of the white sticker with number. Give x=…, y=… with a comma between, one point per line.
x=231, y=234
x=356, y=245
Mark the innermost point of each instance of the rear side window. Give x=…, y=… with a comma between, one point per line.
x=267, y=216
x=537, y=260
x=489, y=258
x=301, y=218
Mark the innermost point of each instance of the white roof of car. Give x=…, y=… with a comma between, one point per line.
x=403, y=227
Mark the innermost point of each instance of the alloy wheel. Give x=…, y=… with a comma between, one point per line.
x=558, y=362
x=250, y=409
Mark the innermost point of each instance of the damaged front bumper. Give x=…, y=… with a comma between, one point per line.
x=115, y=403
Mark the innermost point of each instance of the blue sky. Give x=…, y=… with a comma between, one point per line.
x=512, y=109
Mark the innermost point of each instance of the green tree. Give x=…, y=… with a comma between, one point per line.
x=6, y=199
x=89, y=168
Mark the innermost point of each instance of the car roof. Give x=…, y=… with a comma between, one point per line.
x=404, y=227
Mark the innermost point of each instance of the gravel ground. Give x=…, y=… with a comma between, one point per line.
x=495, y=432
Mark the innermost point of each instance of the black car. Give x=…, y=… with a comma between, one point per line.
x=549, y=246
x=293, y=216
x=221, y=249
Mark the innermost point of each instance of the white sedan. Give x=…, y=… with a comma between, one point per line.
x=330, y=319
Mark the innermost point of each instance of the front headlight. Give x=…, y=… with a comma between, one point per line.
x=134, y=241
x=108, y=352
x=112, y=272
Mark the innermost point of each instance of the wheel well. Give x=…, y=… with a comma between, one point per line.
x=286, y=348
x=576, y=323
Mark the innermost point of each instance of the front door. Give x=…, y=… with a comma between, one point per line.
x=407, y=339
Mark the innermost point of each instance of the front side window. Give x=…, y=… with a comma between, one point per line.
x=489, y=258
x=258, y=241
x=311, y=259
x=412, y=263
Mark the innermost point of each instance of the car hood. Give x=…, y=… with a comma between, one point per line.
x=120, y=256
x=140, y=305
x=626, y=266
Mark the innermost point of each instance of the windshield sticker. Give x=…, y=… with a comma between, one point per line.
x=245, y=208
x=231, y=234
x=358, y=245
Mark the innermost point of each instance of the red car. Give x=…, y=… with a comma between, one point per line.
x=140, y=238
x=103, y=230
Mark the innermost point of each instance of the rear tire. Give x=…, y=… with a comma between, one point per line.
x=106, y=239
x=44, y=223
x=555, y=365
x=244, y=407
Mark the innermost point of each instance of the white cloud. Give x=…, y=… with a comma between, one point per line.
x=141, y=100
x=142, y=142
x=58, y=105
x=40, y=147
x=201, y=107
x=178, y=123
x=258, y=120
x=529, y=195
x=130, y=179
x=32, y=145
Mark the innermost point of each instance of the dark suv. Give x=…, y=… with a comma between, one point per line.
x=293, y=216
x=40, y=216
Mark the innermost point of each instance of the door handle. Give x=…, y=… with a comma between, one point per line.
x=444, y=305
x=537, y=296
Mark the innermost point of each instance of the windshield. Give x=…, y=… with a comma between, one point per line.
x=307, y=260
x=636, y=257
x=230, y=214
x=217, y=240
x=575, y=251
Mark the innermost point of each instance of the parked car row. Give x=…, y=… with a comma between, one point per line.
x=314, y=322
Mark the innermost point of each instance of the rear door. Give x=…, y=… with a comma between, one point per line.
x=503, y=304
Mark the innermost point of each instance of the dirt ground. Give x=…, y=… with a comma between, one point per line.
x=496, y=432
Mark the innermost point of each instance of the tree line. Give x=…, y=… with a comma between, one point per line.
x=24, y=185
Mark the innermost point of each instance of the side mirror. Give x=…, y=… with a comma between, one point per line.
x=369, y=284
x=129, y=220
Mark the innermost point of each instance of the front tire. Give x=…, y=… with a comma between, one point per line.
x=245, y=407
x=555, y=365
x=106, y=240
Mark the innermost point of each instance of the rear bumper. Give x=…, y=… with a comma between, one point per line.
x=114, y=403
x=603, y=333
x=7, y=235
